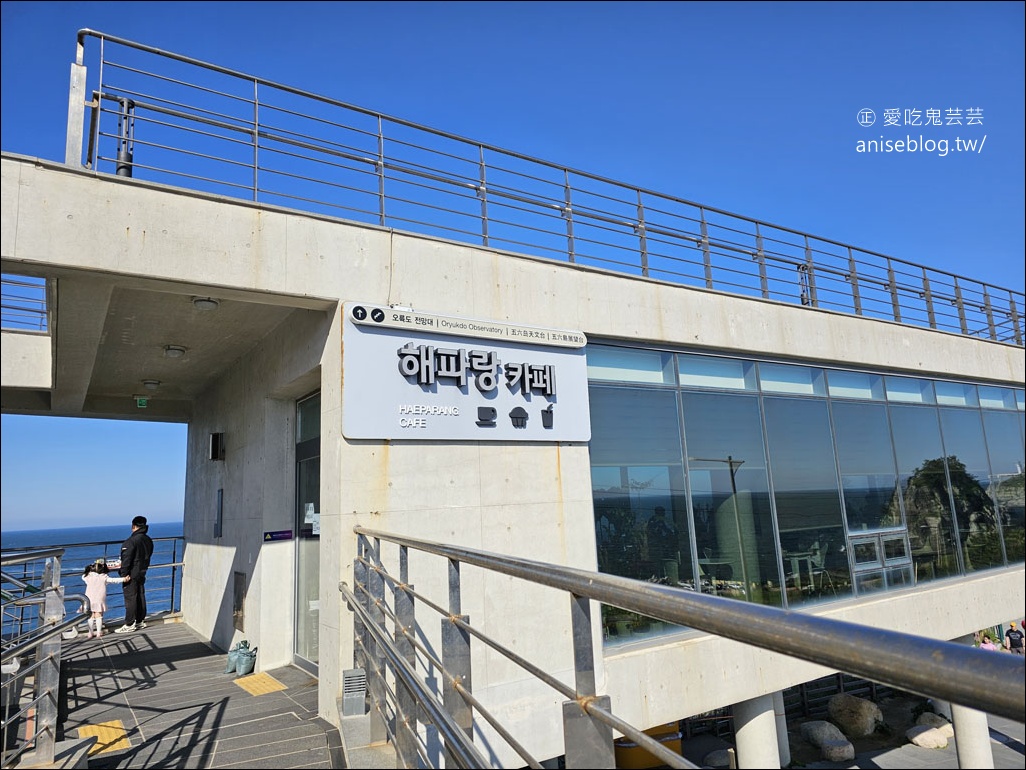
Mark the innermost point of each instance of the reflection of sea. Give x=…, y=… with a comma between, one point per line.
x=106, y=542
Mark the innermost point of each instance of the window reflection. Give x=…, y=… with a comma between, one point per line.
x=807, y=498
x=866, y=459
x=967, y=473
x=924, y=491
x=638, y=492
x=924, y=485
x=730, y=497
x=1004, y=437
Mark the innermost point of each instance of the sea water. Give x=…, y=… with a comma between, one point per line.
x=84, y=545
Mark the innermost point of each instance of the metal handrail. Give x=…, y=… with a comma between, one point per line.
x=43, y=643
x=427, y=180
x=23, y=305
x=953, y=672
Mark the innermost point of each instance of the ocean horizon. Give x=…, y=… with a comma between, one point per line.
x=83, y=545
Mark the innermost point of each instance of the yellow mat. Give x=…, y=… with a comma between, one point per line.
x=110, y=736
x=259, y=684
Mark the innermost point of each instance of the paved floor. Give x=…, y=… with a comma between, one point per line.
x=159, y=698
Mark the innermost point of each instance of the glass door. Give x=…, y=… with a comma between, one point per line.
x=308, y=529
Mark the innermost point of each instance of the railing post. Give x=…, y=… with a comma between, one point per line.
x=75, y=136
x=360, y=591
x=381, y=174
x=174, y=572
x=482, y=193
x=49, y=679
x=810, y=275
x=853, y=276
x=1013, y=315
x=456, y=660
x=928, y=299
x=642, y=238
x=256, y=140
x=377, y=683
x=760, y=257
x=892, y=284
x=406, y=704
x=706, y=259
x=960, y=306
x=586, y=741
x=568, y=212
x=988, y=308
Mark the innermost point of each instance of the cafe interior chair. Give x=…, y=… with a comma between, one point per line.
x=820, y=574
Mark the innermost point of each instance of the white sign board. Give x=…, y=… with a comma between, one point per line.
x=419, y=376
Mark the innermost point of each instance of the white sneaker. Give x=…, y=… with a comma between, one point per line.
x=126, y=629
x=140, y=626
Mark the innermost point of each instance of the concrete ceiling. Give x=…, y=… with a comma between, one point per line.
x=109, y=334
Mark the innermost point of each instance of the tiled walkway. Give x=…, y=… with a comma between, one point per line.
x=159, y=698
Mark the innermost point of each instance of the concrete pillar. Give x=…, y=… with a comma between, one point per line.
x=780, y=716
x=972, y=733
x=972, y=737
x=755, y=726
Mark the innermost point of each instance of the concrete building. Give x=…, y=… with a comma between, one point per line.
x=335, y=372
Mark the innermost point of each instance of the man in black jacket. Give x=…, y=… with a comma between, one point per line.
x=135, y=560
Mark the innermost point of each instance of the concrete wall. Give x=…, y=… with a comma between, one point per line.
x=26, y=360
x=531, y=500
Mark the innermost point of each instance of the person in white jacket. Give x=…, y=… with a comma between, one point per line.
x=97, y=576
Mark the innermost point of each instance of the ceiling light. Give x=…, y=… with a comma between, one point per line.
x=173, y=351
x=151, y=384
x=205, y=303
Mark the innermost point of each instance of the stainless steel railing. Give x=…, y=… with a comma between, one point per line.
x=23, y=304
x=169, y=118
x=389, y=634
x=163, y=582
x=32, y=655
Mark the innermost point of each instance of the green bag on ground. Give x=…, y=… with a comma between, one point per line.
x=246, y=661
x=233, y=656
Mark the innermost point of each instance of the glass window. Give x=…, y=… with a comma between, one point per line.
x=780, y=378
x=968, y=472
x=895, y=548
x=924, y=489
x=729, y=496
x=629, y=365
x=869, y=582
x=866, y=553
x=805, y=489
x=308, y=418
x=1020, y=400
x=909, y=390
x=997, y=398
x=1004, y=437
x=637, y=475
x=855, y=385
x=866, y=459
x=711, y=372
x=955, y=394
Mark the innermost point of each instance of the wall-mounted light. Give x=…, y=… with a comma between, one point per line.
x=151, y=384
x=173, y=351
x=206, y=303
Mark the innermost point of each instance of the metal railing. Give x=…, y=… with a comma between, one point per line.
x=163, y=578
x=408, y=682
x=172, y=119
x=23, y=304
x=32, y=654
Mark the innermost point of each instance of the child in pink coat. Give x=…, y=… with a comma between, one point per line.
x=96, y=577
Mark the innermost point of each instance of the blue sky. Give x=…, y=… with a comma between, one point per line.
x=748, y=107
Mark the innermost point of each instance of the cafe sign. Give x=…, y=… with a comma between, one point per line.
x=423, y=376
